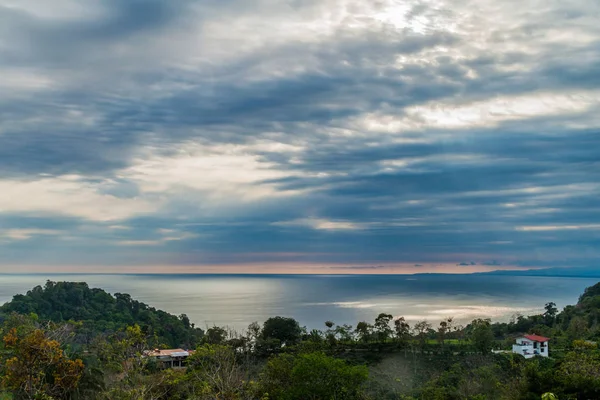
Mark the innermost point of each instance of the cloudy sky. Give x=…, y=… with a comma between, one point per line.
x=299, y=135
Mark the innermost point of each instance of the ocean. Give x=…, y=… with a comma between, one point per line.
x=235, y=301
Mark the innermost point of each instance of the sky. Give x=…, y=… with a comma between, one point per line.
x=332, y=136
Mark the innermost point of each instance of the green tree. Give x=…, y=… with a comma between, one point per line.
x=344, y=332
x=364, y=331
x=460, y=382
x=420, y=330
x=312, y=376
x=37, y=367
x=253, y=336
x=215, y=335
x=330, y=333
x=550, y=312
x=578, y=328
x=443, y=330
x=129, y=373
x=402, y=331
x=538, y=374
x=286, y=330
x=216, y=373
x=382, y=327
x=481, y=335
x=589, y=293
x=315, y=336
x=580, y=374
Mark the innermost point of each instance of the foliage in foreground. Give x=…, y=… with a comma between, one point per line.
x=312, y=376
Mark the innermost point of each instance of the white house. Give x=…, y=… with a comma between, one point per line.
x=531, y=345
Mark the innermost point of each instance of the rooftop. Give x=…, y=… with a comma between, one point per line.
x=169, y=352
x=536, y=338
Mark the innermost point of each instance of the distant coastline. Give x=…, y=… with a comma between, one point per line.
x=576, y=272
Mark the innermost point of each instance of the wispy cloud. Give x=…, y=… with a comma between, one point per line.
x=320, y=224
x=25, y=234
x=559, y=227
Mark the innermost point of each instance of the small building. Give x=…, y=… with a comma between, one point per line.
x=169, y=358
x=531, y=345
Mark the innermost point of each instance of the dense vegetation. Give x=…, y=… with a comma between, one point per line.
x=100, y=312
x=67, y=341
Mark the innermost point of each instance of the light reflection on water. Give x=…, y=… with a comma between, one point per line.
x=237, y=300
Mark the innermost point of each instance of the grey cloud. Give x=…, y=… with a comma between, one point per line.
x=58, y=43
x=104, y=105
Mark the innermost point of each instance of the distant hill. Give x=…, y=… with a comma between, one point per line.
x=102, y=312
x=578, y=272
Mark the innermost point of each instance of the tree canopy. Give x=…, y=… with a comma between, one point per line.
x=286, y=330
x=101, y=312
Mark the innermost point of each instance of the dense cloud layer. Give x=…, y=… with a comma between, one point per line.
x=326, y=133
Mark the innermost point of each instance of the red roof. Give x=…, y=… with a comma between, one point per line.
x=536, y=338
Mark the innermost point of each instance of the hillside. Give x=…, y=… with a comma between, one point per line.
x=101, y=312
x=279, y=360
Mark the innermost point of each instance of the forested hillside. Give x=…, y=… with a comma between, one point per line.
x=101, y=312
x=67, y=341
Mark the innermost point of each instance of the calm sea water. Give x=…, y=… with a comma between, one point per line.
x=238, y=300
